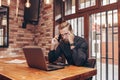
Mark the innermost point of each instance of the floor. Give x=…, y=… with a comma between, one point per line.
x=112, y=75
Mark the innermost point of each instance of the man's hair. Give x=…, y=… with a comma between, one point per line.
x=64, y=25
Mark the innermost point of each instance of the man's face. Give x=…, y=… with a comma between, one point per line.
x=65, y=33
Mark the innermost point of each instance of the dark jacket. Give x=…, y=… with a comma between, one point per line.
x=76, y=56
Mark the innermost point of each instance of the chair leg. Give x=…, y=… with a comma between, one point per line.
x=89, y=78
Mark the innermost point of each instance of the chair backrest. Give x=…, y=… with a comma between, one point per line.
x=91, y=62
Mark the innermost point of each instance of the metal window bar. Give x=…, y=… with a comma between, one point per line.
x=77, y=26
x=90, y=2
x=101, y=2
x=81, y=25
x=95, y=39
x=102, y=18
x=115, y=32
x=95, y=35
x=113, y=44
x=106, y=28
x=70, y=6
x=105, y=58
x=84, y=4
x=109, y=2
x=82, y=21
x=100, y=47
x=67, y=6
x=90, y=34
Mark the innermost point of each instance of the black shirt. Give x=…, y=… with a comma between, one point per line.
x=76, y=56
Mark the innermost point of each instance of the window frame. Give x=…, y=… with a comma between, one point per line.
x=6, y=33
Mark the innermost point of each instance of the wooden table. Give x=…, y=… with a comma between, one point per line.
x=23, y=72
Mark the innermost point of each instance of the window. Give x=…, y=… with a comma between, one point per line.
x=86, y=3
x=106, y=2
x=98, y=22
x=4, y=26
x=58, y=9
x=69, y=7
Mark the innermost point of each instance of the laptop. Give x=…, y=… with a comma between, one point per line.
x=35, y=59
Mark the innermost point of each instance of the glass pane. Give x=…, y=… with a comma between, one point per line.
x=73, y=22
x=106, y=2
x=81, y=4
x=116, y=57
x=93, y=2
x=58, y=9
x=4, y=26
x=1, y=37
x=56, y=30
x=81, y=26
x=115, y=18
x=78, y=26
x=69, y=7
x=86, y=3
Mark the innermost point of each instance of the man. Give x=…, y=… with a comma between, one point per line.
x=73, y=48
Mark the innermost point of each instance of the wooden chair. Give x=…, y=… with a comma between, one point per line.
x=91, y=64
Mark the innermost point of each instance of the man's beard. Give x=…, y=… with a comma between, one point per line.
x=66, y=41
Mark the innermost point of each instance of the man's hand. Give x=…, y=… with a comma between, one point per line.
x=71, y=37
x=54, y=43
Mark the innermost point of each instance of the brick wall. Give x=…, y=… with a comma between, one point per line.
x=40, y=34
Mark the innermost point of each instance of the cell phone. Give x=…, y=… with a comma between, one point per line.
x=59, y=38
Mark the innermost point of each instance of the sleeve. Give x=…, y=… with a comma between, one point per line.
x=79, y=54
x=54, y=54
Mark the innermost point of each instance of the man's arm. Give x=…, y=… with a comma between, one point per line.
x=79, y=54
x=53, y=55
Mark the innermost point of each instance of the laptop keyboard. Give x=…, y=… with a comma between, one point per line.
x=52, y=66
